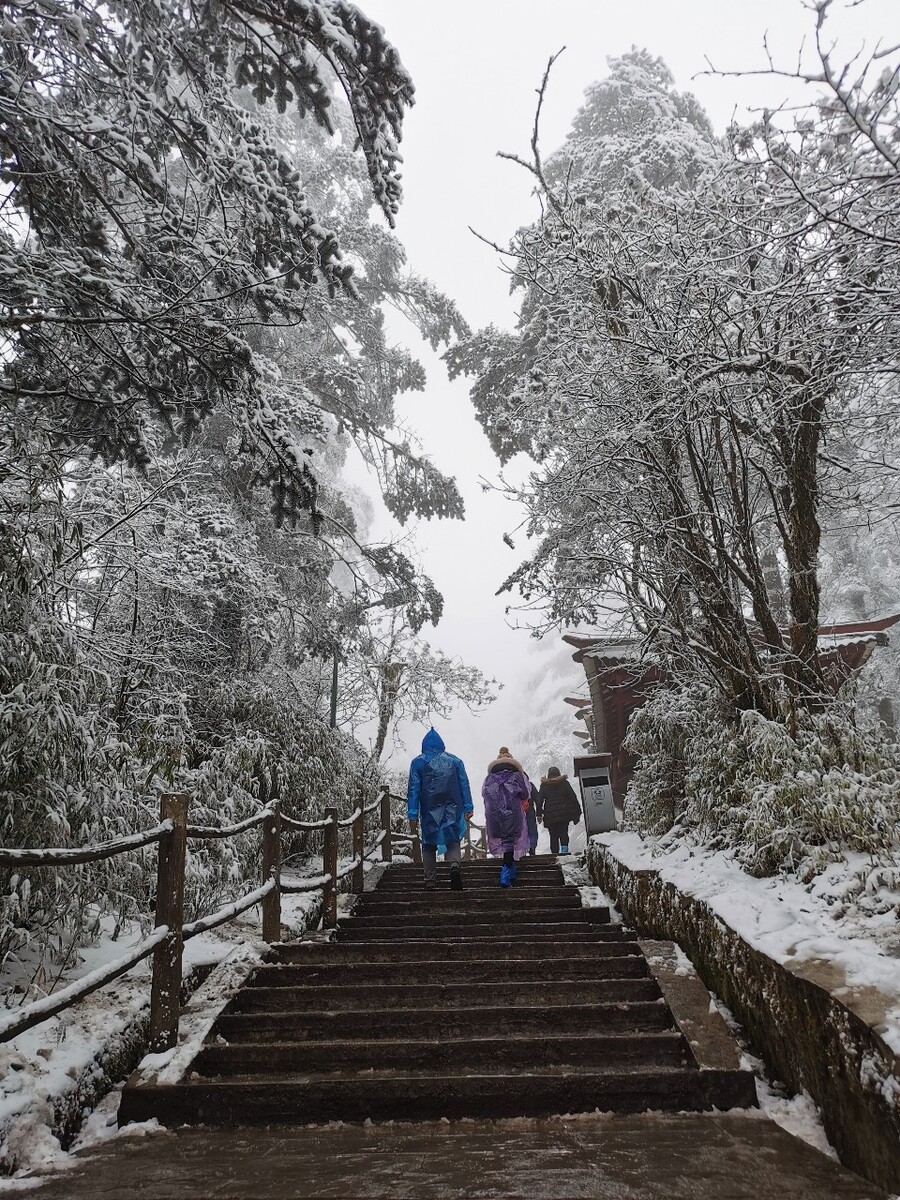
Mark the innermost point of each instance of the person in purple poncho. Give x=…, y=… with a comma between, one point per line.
x=506, y=793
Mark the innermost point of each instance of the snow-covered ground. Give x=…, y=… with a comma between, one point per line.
x=820, y=926
x=60, y=1066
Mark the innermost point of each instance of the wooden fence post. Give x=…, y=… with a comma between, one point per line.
x=329, y=867
x=165, y=990
x=387, y=850
x=416, y=847
x=467, y=852
x=359, y=847
x=271, y=869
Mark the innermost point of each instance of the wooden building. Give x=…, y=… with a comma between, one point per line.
x=619, y=682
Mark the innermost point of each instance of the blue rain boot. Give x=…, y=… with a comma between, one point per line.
x=506, y=876
x=564, y=849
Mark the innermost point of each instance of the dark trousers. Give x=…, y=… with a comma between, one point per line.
x=559, y=833
x=429, y=858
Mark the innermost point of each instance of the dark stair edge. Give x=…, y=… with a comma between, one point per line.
x=630, y=965
x=462, y=1054
x=292, y=999
x=636, y=1015
x=400, y=1097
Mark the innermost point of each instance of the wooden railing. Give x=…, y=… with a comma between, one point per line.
x=166, y=942
x=477, y=848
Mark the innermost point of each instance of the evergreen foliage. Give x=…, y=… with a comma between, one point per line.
x=196, y=269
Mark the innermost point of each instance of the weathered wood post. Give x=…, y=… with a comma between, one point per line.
x=467, y=851
x=329, y=867
x=165, y=989
x=271, y=869
x=387, y=850
x=359, y=847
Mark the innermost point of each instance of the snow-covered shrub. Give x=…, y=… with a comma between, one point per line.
x=259, y=740
x=66, y=775
x=783, y=800
x=76, y=768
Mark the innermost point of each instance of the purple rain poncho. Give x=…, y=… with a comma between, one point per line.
x=504, y=792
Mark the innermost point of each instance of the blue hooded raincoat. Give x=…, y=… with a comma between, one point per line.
x=438, y=795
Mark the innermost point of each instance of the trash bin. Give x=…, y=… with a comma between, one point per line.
x=596, y=793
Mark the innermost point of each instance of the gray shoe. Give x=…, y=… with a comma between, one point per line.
x=430, y=885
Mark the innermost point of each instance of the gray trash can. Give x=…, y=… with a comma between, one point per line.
x=596, y=793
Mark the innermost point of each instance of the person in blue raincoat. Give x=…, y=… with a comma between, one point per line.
x=438, y=803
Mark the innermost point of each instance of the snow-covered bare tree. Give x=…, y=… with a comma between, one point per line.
x=394, y=676
x=690, y=348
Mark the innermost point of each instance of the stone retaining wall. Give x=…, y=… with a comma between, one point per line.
x=808, y=1037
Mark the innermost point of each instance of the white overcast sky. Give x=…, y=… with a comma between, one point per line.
x=476, y=65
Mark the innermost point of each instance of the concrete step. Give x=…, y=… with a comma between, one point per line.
x=621, y=966
x=513, y=1020
x=434, y=905
x=530, y=862
x=539, y=900
x=485, y=875
x=380, y=998
x=544, y=869
x=384, y=929
x=611, y=942
x=581, y=1052
x=442, y=906
x=538, y=935
x=484, y=885
x=416, y=1096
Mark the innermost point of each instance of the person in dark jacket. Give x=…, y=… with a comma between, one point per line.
x=439, y=802
x=531, y=818
x=558, y=807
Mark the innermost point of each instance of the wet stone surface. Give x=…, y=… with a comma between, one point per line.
x=683, y=1157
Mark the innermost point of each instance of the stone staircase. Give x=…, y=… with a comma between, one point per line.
x=486, y=1002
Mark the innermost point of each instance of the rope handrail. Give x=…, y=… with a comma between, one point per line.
x=351, y=866
x=65, y=856
x=312, y=883
x=162, y=942
x=215, y=831
x=42, y=1010
x=293, y=823
x=228, y=912
x=371, y=850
